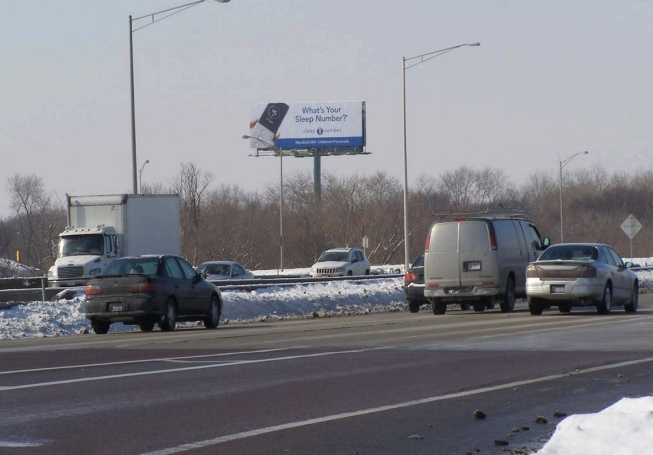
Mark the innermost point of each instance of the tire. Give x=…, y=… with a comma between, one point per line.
x=508, y=303
x=99, y=326
x=489, y=303
x=631, y=307
x=213, y=318
x=367, y=272
x=564, y=308
x=479, y=306
x=350, y=273
x=439, y=307
x=464, y=306
x=413, y=306
x=604, y=305
x=146, y=326
x=535, y=307
x=169, y=319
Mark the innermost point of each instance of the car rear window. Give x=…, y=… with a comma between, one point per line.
x=138, y=266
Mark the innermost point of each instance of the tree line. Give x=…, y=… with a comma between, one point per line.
x=225, y=222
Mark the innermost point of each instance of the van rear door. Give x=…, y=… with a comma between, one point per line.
x=475, y=253
x=442, y=258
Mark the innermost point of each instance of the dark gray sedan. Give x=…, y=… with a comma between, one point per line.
x=149, y=290
x=581, y=274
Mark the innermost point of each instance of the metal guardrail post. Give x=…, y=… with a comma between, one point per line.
x=43, y=280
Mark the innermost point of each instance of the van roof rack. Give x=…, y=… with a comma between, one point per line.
x=502, y=212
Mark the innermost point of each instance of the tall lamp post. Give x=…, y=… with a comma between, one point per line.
x=563, y=163
x=170, y=11
x=270, y=145
x=414, y=61
x=140, y=177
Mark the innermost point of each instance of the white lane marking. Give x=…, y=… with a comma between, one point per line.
x=346, y=415
x=14, y=444
x=176, y=370
x=164, y=359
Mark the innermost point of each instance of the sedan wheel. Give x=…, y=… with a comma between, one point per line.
x=479, y=306
x=603, y=306
x=631, y=307
x=100, y=327
x=213, y=318
x=413, y=306
x=564, y=308
x=535, y=307
x=146, y=326
x=169, y=318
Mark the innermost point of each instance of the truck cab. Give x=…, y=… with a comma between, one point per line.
x=83, y=253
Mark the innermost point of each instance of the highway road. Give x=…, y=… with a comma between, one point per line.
x=392, y=383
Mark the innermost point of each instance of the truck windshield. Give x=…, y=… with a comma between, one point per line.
x=81, y=245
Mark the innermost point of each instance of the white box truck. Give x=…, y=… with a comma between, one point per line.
x=105, y=227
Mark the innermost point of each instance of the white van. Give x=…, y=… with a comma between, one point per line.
x=479, y=260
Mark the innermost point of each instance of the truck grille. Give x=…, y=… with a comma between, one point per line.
x=70, y=272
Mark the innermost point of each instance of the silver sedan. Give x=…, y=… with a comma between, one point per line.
x=581, y=274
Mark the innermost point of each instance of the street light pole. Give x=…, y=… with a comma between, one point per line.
x=422, y=58
x=270, y=145
x=171, y=12
x=563, y=163
x=140, y=177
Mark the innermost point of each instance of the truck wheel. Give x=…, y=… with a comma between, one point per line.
x=213, y=318
x=413, y=306
x=169, y=318
x=146, y=326
x=439, y=307
x=100, y=327
x=508, y=303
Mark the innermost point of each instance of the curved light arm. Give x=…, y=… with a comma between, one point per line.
x=430, y=55
x=564, y=162
x=172, y=11
x=268, y=145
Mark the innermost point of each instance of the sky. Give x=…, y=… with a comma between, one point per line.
x=625, y=428
x=550, y=79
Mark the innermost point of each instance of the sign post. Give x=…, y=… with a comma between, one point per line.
x=631, y=226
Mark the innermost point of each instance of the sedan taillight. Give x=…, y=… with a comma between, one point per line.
x=588, y=272
x=531, y=272
x=143, y=288
x=93, y=289
x=410, y=277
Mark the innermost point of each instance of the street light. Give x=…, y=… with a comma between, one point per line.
x=271, y=145
x=422, y=58
x=563, y=163
x=171, y=12
x=140, y=177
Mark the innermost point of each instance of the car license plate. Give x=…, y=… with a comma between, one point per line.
x=115, y=306
x=557, y=289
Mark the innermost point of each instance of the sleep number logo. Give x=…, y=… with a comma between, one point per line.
x=320, y=131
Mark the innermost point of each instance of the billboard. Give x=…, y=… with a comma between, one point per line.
x=314, y=124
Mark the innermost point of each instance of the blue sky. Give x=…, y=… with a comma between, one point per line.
x=550, y=78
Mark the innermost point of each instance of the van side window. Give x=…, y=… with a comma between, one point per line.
x=506, y=234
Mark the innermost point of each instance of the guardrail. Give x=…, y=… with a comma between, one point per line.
x=34, y=289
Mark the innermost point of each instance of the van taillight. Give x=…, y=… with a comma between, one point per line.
x=143, y=288
x=427, y=242
x=493, y=241
x=92, y=289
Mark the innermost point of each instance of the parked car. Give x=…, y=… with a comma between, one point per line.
x=581, y=274
x=149, y=290
x=224, y=270
x=341, y=262
x=414, y=286
x=479, y=260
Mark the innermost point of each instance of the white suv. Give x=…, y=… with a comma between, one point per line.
x=341, y=262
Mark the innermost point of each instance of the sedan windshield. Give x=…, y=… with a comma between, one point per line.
x=570, y=253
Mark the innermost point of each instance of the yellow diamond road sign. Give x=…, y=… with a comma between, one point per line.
x=631, y=226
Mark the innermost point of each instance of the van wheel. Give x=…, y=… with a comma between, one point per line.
x=508, y=303
x=146, y=326
x=479, y=306
x=564, y=308
x=439, y=307
x=413, y=306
